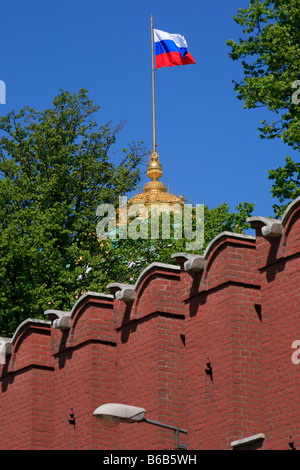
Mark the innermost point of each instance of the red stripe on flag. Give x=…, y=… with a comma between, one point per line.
x=168, y=59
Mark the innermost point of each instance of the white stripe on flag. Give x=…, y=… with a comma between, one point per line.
x=163, y=36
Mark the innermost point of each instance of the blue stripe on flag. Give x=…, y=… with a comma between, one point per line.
x=167, y=45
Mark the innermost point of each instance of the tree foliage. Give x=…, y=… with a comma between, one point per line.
x=269, y=51
x=270, y=55
x=286, y=185
x=55, y=170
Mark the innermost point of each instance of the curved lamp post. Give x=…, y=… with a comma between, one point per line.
x=115, y=413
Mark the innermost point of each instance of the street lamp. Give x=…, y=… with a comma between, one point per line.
x=114, y=413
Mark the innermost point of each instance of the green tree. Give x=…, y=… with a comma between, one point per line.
x=286, y=185
x=270, y=55
x=55, y=170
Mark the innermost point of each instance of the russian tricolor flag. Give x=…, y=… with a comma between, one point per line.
x=170, y=49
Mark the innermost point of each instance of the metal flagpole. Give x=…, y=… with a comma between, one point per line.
x=153, y=96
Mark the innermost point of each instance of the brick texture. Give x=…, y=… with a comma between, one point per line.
x=209, y=352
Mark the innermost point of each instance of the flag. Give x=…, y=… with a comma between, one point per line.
x=171, y=49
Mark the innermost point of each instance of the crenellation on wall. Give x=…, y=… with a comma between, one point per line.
x=30, y=343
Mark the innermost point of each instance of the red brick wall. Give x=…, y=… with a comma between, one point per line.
x=240, y=315
x=151, y=359
x=26, y=390
x=279, y=270
x=85, y=374
x=223, y=328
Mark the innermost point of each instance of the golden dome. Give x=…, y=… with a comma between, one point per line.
x=155, y=191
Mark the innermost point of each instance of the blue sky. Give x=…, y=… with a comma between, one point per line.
x=209, y=146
